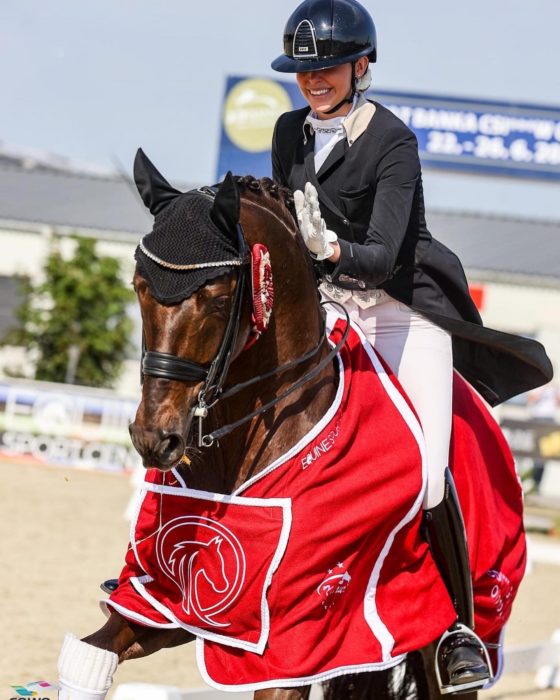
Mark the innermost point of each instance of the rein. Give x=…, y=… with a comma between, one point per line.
x=208, y=440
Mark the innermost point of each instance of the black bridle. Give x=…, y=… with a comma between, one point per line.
x=167, y=366
x=164, y=365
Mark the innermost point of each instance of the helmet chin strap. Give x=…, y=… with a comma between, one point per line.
x=349, y=98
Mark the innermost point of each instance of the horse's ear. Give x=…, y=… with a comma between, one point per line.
x=154, y=189
x=225, y=210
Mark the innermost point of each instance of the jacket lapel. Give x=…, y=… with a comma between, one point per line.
x=309, y=161
x=337, y=154
x=311, y=175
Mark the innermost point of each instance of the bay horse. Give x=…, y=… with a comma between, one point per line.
x=237, y=403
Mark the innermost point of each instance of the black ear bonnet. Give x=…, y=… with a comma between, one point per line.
x=194, y=238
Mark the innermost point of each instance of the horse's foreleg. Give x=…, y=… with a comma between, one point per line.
x=131, y=641
x=86, y=666
x=283, y=693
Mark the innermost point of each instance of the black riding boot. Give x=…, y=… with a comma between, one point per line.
x=461, y=659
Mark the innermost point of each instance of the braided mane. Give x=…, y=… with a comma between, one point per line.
x=249, y=185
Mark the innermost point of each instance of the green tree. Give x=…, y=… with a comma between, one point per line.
x=75, y=321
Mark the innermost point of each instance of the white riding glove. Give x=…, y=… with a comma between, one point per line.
x=313, y=228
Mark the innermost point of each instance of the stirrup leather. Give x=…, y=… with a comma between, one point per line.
x=459, y=628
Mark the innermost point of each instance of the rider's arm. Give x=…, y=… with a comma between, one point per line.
x=398, y=173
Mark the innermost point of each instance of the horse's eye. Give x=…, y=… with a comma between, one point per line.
x=220, y=303
x=139, y=286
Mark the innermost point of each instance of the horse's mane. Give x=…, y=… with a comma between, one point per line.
x=265, y=187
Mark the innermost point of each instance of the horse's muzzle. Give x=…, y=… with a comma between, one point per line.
x=160, y=449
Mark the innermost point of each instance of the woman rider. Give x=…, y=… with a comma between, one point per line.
x=356, y=174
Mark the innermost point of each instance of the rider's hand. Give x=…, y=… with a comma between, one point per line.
x=316, y=235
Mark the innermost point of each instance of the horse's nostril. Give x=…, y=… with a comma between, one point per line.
x=170, y=448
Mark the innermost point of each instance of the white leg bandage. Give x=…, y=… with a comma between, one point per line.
x=85, y=672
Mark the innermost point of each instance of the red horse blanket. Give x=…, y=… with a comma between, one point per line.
x=316, y=567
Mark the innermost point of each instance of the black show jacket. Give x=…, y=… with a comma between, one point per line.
x=370, y=192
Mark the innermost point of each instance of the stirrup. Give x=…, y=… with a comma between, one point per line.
x=470, y=686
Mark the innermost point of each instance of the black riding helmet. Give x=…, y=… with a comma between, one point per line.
x=324, y=33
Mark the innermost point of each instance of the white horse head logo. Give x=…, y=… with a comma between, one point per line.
x=206, y=562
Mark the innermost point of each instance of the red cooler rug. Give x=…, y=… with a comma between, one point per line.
x=316, y=567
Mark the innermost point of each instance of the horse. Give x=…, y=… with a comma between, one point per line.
x=249, y=391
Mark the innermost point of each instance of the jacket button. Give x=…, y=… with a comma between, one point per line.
x=345, y=222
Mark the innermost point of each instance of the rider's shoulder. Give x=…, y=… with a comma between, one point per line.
x=389, y=123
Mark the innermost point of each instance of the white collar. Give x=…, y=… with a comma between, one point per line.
x=354, y=123
x=329, y=126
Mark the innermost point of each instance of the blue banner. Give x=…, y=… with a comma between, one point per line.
x=495, y=138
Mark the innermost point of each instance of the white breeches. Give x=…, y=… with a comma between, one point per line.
x=420, y=355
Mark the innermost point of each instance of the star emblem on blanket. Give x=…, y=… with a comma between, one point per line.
x=334, y=585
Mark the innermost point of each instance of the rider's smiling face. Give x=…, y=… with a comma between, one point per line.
x=323, y=89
